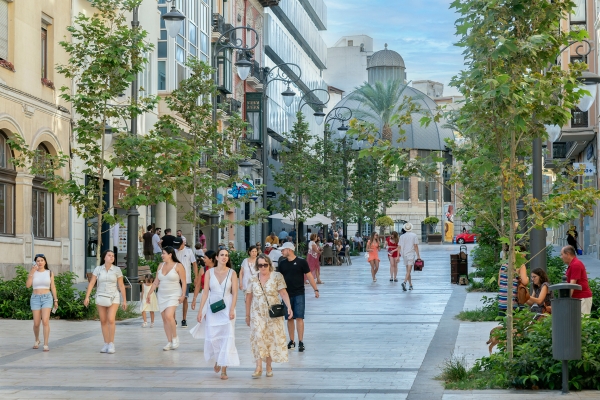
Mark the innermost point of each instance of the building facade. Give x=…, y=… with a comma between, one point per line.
x=32, y=221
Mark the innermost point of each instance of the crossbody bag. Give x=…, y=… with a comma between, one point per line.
x=275, y=310
x=104, y=299
x=220, y=305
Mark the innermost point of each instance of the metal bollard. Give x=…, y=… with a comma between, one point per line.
x=566, y=328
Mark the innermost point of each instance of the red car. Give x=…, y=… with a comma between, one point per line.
x=467, y=238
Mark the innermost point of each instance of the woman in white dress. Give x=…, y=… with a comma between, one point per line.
x=247, y=270
x=219, y=327
x=168, y=277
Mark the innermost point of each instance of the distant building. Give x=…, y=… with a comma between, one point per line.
x=347, y=62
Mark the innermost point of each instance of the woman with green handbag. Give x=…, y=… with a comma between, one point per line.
x=217, y=314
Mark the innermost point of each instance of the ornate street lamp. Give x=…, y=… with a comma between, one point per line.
x=173, y=20
x=309, y=99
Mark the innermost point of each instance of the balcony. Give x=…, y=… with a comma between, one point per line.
x=255, y=78
x=269, y=3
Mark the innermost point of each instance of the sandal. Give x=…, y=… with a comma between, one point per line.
x=216, y=368
x=224, y=376
x=36, y=345
x=46, y=348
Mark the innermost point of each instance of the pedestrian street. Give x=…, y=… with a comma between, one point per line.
x=363, y=339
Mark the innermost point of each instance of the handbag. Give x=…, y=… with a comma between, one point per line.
x=419, y=264
x=522, y=293
x=104, y=299
x=220, y=305
x=275, y=310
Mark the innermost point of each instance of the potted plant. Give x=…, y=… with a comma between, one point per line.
x=431, y=223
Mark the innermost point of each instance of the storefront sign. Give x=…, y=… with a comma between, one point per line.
x=589, y=169
x=119, y=188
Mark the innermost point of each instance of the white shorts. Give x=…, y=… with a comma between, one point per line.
x=586, y=306
x=409, y=259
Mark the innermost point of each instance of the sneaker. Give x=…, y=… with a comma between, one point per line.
x=152, y=325
x=111, y=348
x=410, y=287
x=300, y=346
x=175, y=343
x=391, y=280
x=183, y=323
x=395, y=280
x=145, y=325
x=104, y=348
x=404, y=286
x=168, y=347
x=291, y=345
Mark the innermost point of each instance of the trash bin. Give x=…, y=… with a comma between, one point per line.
x=566, y=328
x=459, y=265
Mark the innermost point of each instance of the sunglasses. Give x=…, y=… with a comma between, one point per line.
x=265, y=265
x=38, y=255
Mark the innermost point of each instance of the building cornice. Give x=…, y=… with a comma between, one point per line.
x=32, y=103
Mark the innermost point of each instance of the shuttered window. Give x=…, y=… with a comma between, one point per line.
x=3, y=30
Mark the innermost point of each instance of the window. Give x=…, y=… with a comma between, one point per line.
x=579, y=119
x=578, y=15
x=7, y=189
x=224, y=78
x=253, y=116
x=350, y=43
x=42, y=209
x=403, y=188
x=3, y=30
x=44, y=55
x=430, y=191
x=162, y=75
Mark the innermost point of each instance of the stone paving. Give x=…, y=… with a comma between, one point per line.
x=363, y=340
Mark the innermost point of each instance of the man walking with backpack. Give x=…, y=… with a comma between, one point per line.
x=408, y=246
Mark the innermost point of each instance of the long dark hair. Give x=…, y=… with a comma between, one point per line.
x=543, y=276
x=103, y=256
x=170, y=250
x=212, y=256
x=228, y=264
x=45, y=261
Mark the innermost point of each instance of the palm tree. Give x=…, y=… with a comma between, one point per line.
x=380, y=102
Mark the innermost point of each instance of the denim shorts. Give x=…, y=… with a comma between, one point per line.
x=297, y=303
x=39, y=301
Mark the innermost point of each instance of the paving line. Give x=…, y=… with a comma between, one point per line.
x=220, y=390
x=116, y=368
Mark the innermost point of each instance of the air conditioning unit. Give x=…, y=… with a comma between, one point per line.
x=258, y=181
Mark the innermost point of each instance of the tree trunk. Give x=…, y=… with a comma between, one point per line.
x=386, y=134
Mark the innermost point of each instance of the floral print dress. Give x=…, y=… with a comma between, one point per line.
x=267, y=335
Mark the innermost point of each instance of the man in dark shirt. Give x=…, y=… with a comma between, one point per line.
x=293, y=269
x=148, y=249
x=168, y=239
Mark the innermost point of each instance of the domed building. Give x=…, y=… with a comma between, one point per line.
x=386, y=66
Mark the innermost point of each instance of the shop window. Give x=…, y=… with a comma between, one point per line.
x=42, y=209
x=7, y=189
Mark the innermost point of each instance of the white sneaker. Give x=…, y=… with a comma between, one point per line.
x=168, y=347
x=152, y=325
x=111, y=348
x=175, y=343
x=104, y=348
x=145, y=325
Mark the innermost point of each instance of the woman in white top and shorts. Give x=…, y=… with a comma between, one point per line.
x=247, y=270
x=41, y=301
x=170, y=294
x=110, y=282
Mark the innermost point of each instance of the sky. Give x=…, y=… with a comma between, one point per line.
x=422, y=31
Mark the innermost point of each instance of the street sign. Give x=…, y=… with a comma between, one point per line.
x=589, y=169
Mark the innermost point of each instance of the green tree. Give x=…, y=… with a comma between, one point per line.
x=300, y=174
x=188, y=153
x=105, y=55
x=511, y=90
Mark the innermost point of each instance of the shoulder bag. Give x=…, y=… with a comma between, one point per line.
x=275, y=310
x=419, y=264
x=220, y=305
x=522, y=293
x=104, y=299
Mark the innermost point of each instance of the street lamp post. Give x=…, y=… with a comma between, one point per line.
x=271, y=75
x=228, y=41
x=342, y=114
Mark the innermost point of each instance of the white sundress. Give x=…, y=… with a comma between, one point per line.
x=219, y=341
x=169, y=289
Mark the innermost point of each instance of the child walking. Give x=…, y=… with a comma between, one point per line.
x=153, y=305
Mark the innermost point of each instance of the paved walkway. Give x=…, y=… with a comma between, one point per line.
x=363, y=340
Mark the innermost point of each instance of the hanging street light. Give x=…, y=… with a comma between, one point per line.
x=288, y=96
x=243, y=68
x=173, y=20
x=589, y=81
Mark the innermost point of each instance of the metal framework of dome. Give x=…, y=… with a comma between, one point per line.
x=385, y=58
x=429, y=137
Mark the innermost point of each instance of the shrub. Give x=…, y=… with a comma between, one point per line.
x=489, y=311
x=15, y=297
x=532, y=365
x=431, y=220
x=595, y=288
x=454, y=369
x=236, y=258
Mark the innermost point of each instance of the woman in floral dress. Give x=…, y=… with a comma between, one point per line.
x=267, y=335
